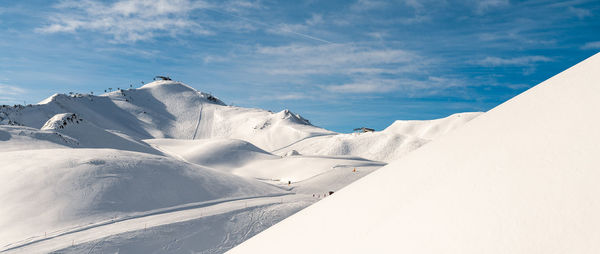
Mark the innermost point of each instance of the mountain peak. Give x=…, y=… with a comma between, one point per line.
x=170, y=86
x=165, y=83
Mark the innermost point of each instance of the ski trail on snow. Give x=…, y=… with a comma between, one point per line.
x=143, y=221
x=303, y=139
x=199, y=118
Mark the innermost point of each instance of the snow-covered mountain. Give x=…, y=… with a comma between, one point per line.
x=169, y=109
x=388, y=145
x=521, y=178
x=123, y=170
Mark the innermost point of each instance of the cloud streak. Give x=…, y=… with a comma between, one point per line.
x=591, y=45
x=369, y=86
x=516, y=61
x=336, y=58
x=127, y=20
x=9, y=93
x=11, y=90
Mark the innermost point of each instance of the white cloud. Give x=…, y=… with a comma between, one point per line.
x=371, y=86
x=8, y=94
x=127, y=20
x=483, y=6
x=292, y=96
x=315, y=19
x=516, y=61
x=336, y=59
x=10, y=90
x=362, y=68
x=365, y=5
x=431, y=85
x=240, y=6
x=214, y=59
x=579, y=12
x=591, y=45
x=150, y=53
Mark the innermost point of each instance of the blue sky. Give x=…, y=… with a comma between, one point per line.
x=341, y=64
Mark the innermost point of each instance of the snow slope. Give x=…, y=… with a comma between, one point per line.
x=397, y=140
x=15, y=138
x=48, y=190
x=243, y=159
x=88, y=135
x=217, y=153
x=300, y=168
x=266, y=130
x=207, y=227
x=521, y=178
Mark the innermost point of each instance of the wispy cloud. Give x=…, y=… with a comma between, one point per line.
x=11, y=90
x=406, y=87
x=215, y=59
x=516, y=61
x=591, y=45
x=580, y=12
x=292, y=96
x=315, y=19
x=127, y=20
x=483, y=6
x=365, y=5
x=241, y=6
x=370, y=86
x=336, y=58
x=9, y=93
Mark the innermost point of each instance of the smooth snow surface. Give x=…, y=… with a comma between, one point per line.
x=521, y=178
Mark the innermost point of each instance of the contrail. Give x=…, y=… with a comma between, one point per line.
x=269, y=25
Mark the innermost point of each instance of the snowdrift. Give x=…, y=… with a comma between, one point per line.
x=521, y=178
x=47, y=190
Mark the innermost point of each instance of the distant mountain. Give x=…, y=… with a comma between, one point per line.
x=168, y=109
x=397, y=140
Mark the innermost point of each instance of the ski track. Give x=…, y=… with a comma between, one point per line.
x=65, y=238
x=300, y=140
x=199, y=118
